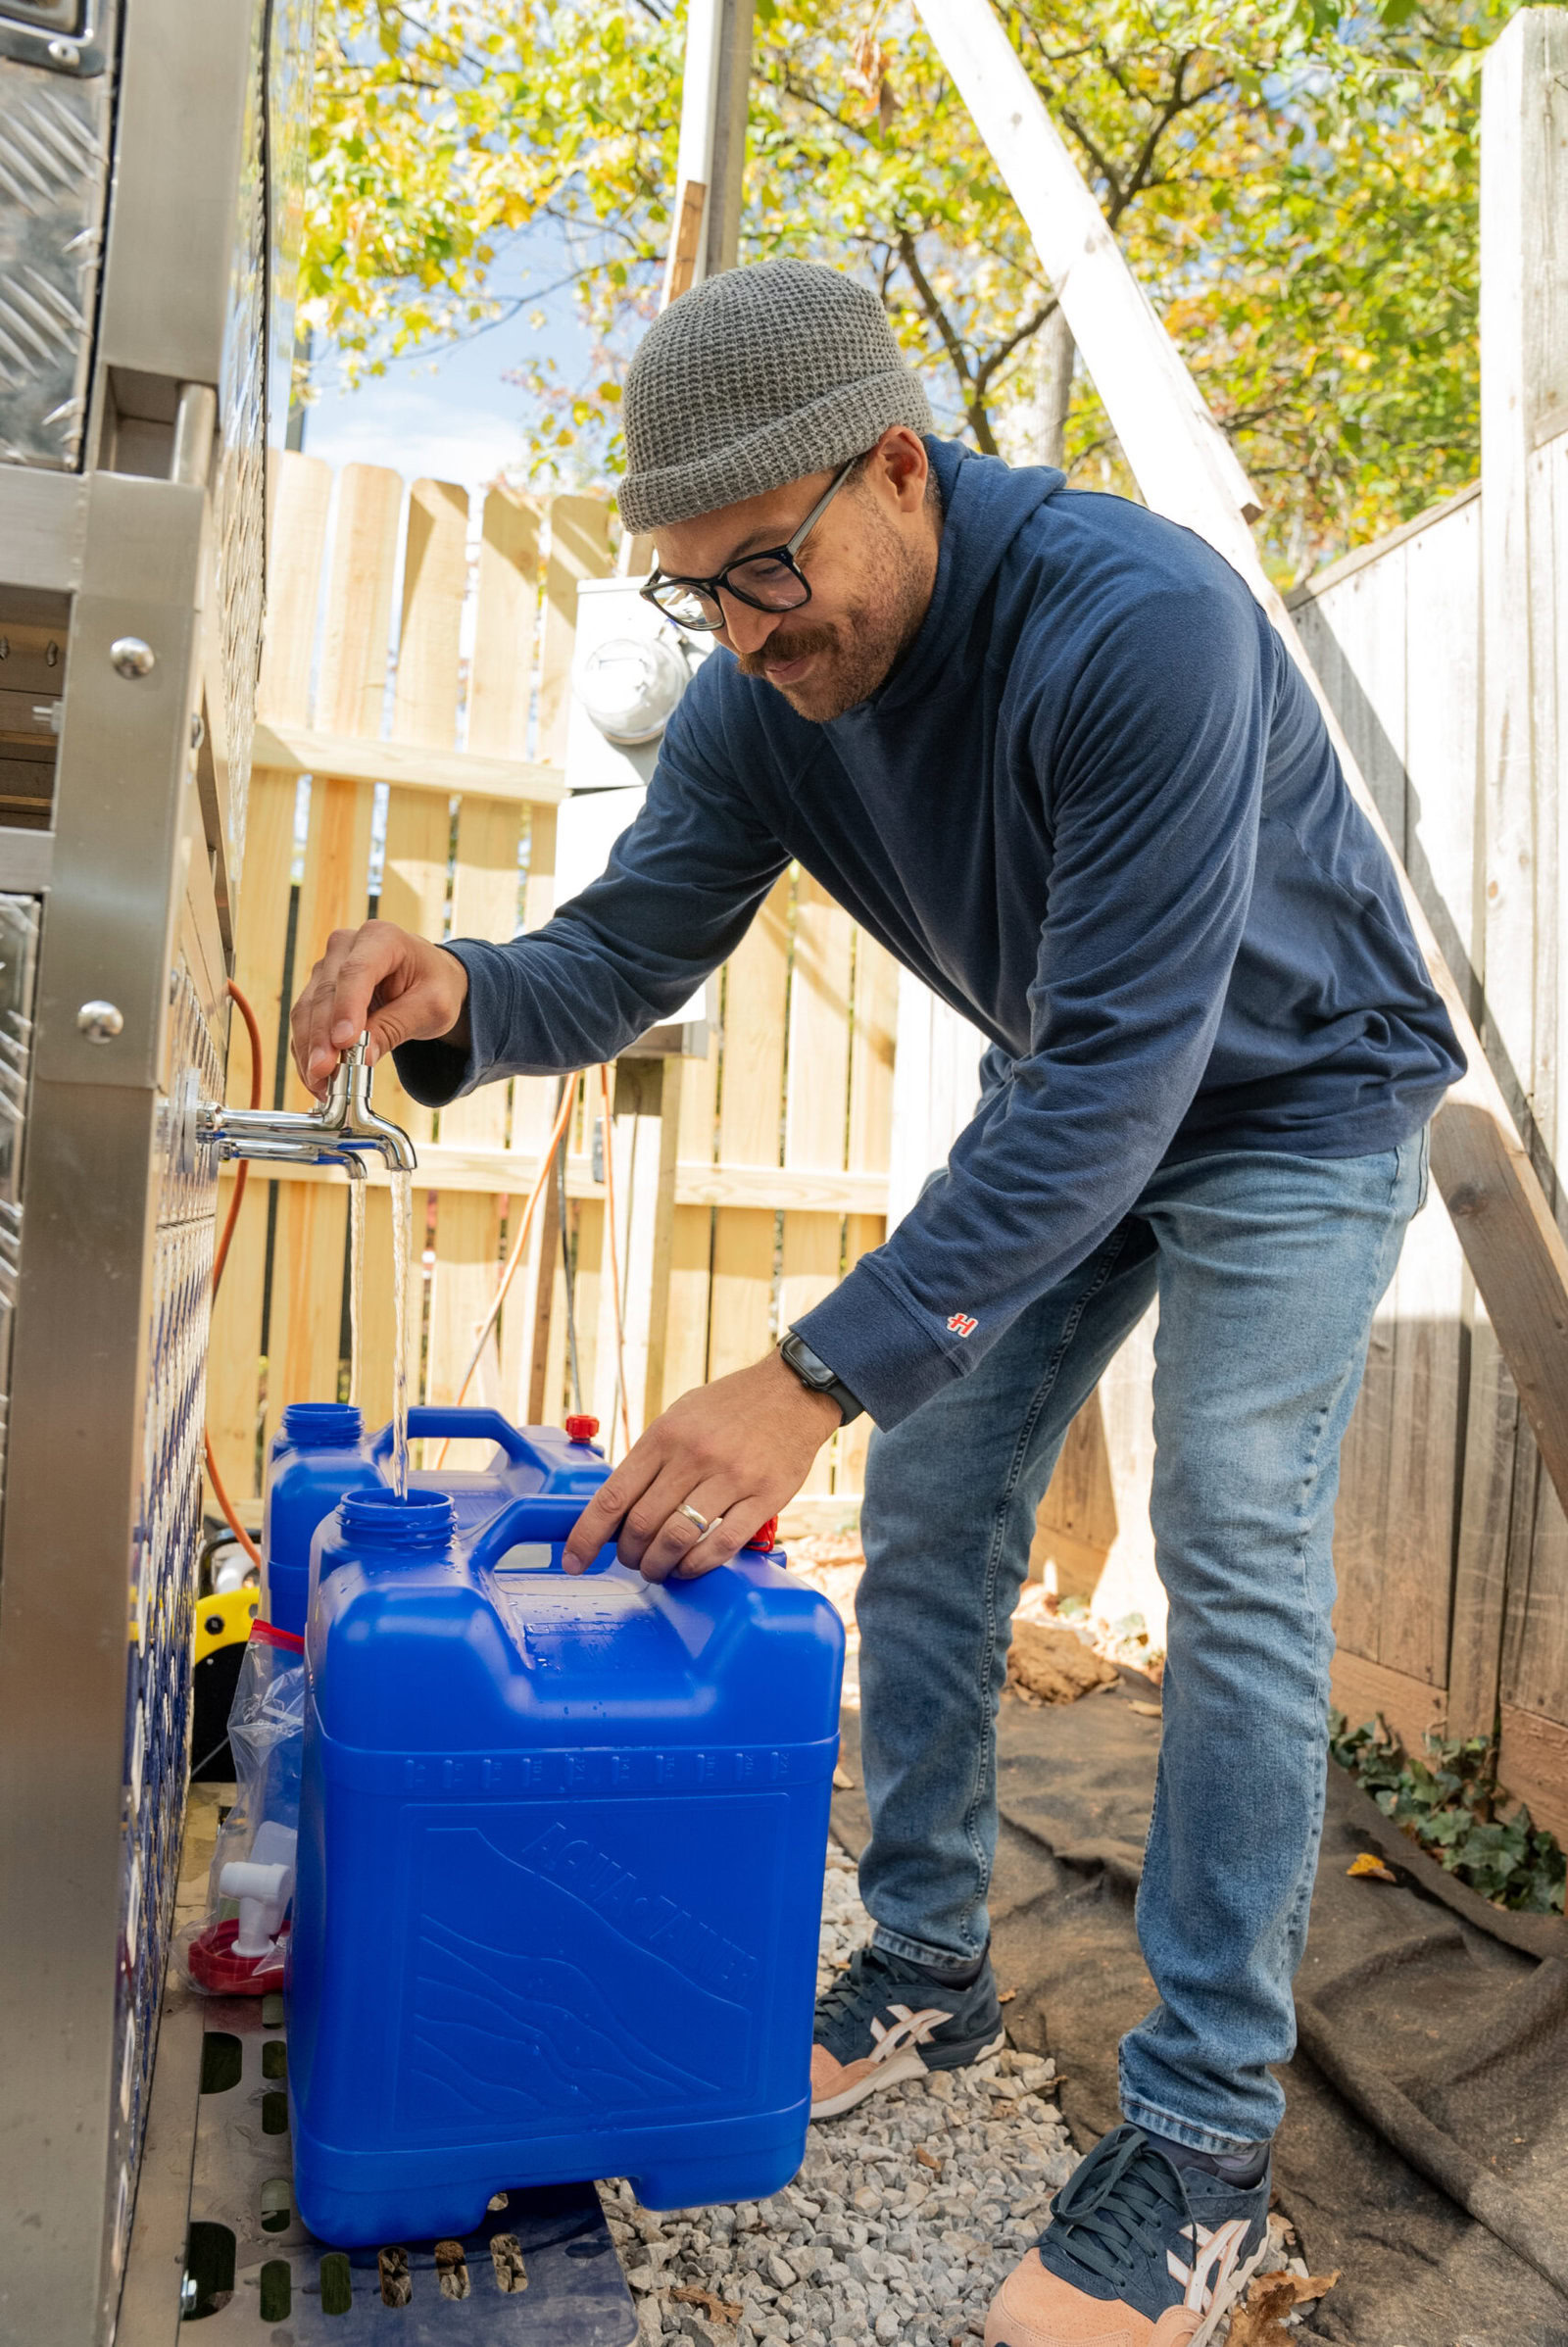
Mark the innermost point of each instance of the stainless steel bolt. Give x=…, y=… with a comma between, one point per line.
x=64, y=53
x=131, y=658
x=100, y=1022
x=197, y=730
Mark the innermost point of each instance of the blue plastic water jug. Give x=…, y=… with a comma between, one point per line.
x=321, y=1452
x=560, y=1872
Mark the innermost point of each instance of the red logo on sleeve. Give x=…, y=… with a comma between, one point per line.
x=962, y=1324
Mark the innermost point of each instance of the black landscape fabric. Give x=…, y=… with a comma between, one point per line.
x=1425, y=2150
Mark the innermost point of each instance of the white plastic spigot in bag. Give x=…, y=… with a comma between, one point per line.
x=264, y=1884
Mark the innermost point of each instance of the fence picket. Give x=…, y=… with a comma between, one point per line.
x=579, y=549
x=816, y=1108
x=871, y=1134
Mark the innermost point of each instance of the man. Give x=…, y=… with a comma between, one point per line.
x=1046, y=746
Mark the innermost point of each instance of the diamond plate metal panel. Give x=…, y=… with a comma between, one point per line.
x=53, y=175
x=241, y=488
x=162, y=1576
x=288, y=148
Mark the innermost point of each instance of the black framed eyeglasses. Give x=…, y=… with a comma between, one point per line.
x=769, y=581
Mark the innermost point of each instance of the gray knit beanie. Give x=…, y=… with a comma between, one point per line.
x=754, y=378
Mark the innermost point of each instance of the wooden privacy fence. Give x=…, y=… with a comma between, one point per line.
x=414, y=702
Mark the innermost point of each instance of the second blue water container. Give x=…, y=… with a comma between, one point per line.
x=560, y=1872
x=321, y=1452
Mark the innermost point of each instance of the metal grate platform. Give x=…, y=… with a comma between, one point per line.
x=254, y=2273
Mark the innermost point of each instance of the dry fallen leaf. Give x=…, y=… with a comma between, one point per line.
x=928, y=2159
x=1148, y=1711
x=1052, y=1665
x=1006, y=1995
x=842, y=1782
x=1371, y=1866
x=717, y=2310
x=1257, y=2322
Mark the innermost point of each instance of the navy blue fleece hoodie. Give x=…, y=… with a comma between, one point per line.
x=1095, y=809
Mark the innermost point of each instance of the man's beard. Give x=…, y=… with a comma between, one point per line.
x=857, y=653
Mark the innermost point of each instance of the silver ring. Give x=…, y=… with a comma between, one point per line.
x=702, y=1522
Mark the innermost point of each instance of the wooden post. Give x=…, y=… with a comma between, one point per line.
x=1186, y=470
x=1523, y=400
x=1524, y=404
x=712, y=161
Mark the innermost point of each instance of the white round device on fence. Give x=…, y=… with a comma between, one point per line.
x=630, y=685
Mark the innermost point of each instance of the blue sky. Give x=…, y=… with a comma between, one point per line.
x=452, y=417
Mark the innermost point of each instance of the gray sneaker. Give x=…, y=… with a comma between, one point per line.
x=884, y=2019
x=1140, y=2247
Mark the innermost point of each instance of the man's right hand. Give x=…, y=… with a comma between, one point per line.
x=381, y=981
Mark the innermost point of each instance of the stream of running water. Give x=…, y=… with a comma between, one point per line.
x=402, y=1249
x=356, y=1282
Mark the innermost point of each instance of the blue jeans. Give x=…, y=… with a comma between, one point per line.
x=1268, y=1269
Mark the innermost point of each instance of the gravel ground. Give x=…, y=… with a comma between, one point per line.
x=902, y=2224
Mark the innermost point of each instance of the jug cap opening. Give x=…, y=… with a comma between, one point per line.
x=425, y=1519
x=322, y=1425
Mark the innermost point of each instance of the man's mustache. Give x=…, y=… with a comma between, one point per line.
x=780, y=648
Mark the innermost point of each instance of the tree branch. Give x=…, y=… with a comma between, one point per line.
x=974, y=406
x=1003, y=350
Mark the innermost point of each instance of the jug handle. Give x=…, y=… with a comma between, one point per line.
x=459, y=1425
x=535, y=1520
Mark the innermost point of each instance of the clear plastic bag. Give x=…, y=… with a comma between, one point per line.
x=238, y=1948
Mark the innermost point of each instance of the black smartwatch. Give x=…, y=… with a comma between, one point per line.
x=815, y=1375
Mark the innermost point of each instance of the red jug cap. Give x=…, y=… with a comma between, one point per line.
x=582, y=1430
x=765, y=1536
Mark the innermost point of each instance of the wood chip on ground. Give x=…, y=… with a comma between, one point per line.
x=1259, y=2320
x=718, y=2310
x=1054, y=1665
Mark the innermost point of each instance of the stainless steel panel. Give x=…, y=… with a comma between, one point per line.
x=107, y=1394
x=54, y=178
x=18, y=946
x=27, y=858
x=126, y=767
x=44, y=527
x=184, y=154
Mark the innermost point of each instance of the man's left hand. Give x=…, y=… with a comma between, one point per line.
x=734, y=1453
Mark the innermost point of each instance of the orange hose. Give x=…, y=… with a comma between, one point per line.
x=610, y=1232
x=221, y=1257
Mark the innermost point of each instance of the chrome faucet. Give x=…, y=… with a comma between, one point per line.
x=343, y=1131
